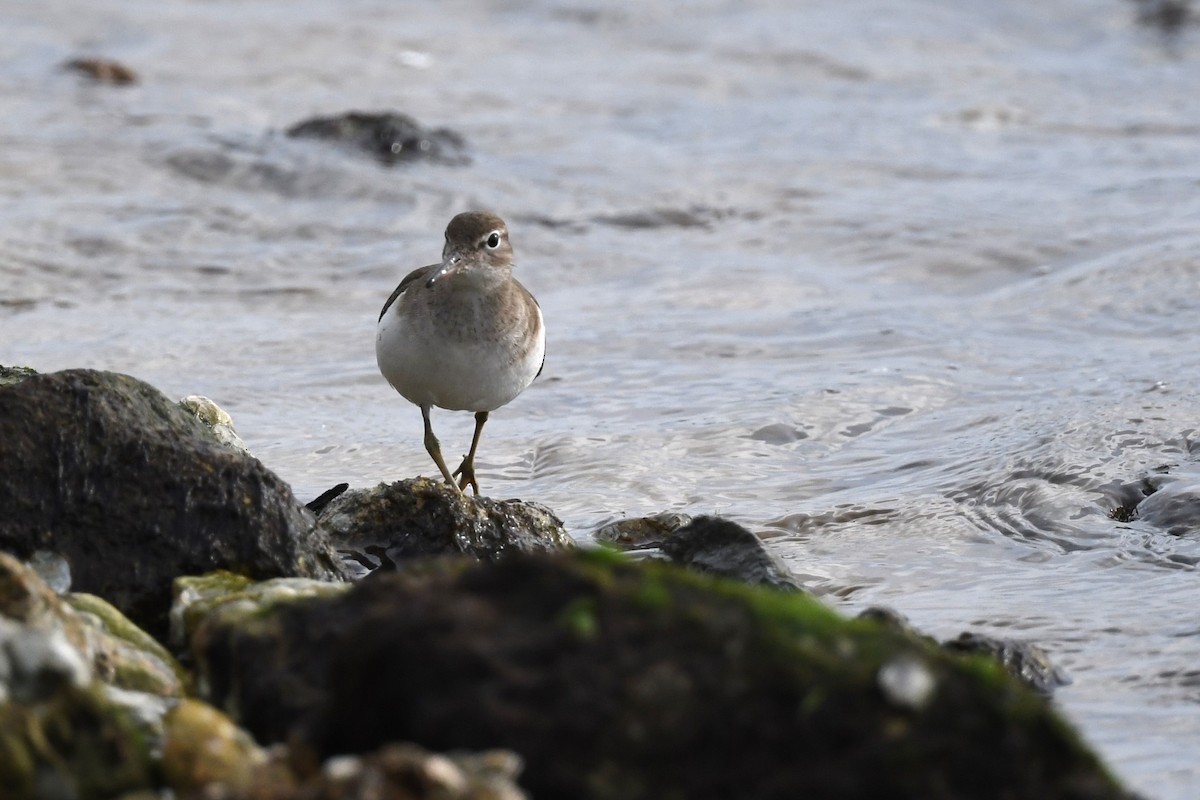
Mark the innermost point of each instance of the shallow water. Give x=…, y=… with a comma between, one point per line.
x=909, y=288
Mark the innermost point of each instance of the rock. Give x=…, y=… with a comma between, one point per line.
x=202, y=746
x=394, y=772
x=133, y=491
x=707, y=544
x=1024, y=660
x=124, y=655
x=103, y=70
x=392, y=138
x=229, y=596
x=61, y=734
x=216, y=419
x=417, y=518
x=11, y=375
x=628, y=680
x=114, y=650
x=1169, y=16
x=74, y=744
x=636, y=533
x=1174, y=507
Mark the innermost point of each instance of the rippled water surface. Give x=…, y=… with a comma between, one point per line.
x=910, y=288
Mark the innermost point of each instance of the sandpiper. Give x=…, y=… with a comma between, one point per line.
x=463, y=335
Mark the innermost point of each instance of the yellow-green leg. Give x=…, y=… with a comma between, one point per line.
x=467, y=468
x=435, y=449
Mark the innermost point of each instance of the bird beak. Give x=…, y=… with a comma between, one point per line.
x=451, y=263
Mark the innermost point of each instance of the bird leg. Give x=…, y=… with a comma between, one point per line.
x=467, y=467
x=435, y=449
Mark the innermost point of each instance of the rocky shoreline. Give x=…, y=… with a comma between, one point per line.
x=175, y=623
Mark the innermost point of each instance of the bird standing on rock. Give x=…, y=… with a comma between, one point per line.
x=463, y=335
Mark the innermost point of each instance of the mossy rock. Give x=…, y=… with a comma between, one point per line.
x=76, y=744
x=626, y=680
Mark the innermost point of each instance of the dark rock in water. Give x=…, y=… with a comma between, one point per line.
x=891, y=618
x=616, y=679
x=694, y=217
x=103, y=70
x=1169, y=16
x=417, y=518
x=1174, y=507
x=1025, y=660
x=636, y=533
x=721, y=547
x=133, y=491
x=707, y=544
x=392, y=138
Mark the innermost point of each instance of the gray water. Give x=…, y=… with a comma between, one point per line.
x=909, y=288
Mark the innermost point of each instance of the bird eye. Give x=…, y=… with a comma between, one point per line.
x=493, y=240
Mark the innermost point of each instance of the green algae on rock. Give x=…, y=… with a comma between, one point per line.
x=134, y=491
x=75, y=743
x=641, y=680
x=116, y=651
x=229, y=595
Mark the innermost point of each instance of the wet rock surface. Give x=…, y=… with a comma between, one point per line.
x=389, y=137
x=133, y=491
x=382, y=527
x=619, y=679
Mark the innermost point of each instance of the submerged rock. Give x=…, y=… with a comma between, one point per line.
x=392, y=523
x=132, y=491
x=103, y=70
x=640, y=680
x=392, y=138
x=1024, y=660
x=636, y=533
x=1174, y=507
x=706, y=544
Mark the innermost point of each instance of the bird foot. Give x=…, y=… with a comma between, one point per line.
x=467, y=470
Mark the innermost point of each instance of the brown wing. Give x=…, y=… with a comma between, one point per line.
x=409, y=278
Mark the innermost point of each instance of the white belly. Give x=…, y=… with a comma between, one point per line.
x=460, y=376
